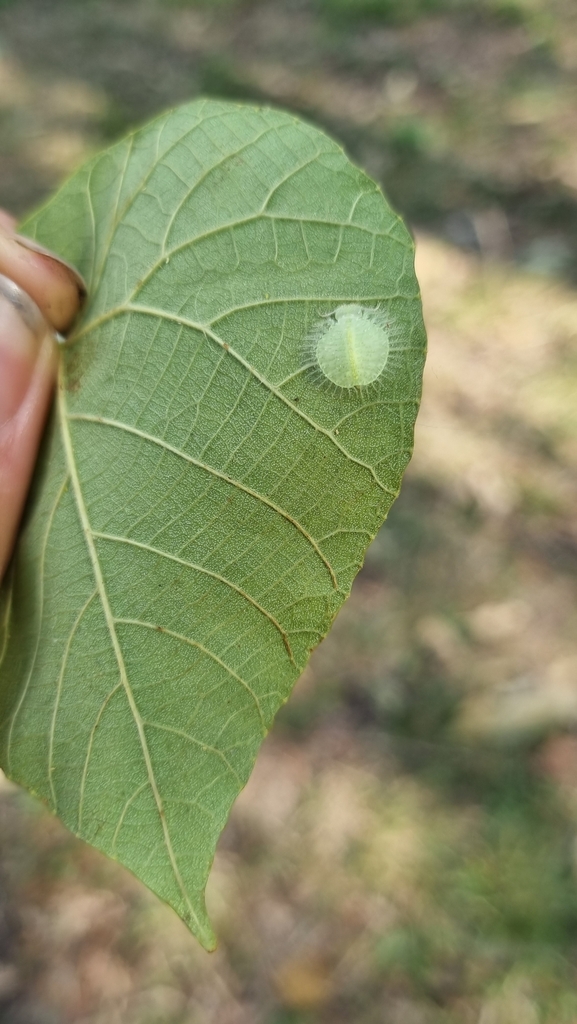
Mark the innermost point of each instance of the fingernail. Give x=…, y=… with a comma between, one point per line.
x=27, y=243
x=22, y=331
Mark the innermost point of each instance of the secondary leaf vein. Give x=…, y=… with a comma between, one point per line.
x=207, y=572
x=115, y=424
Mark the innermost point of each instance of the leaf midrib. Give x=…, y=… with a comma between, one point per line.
x=111, y=626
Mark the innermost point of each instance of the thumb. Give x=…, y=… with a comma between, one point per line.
x=27, y=369
x=38, y=295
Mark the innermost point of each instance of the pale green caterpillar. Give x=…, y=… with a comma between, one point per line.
x=351, y=347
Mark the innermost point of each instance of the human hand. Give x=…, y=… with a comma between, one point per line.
x=28, y=361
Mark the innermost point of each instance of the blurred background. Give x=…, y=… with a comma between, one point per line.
x=406, y=851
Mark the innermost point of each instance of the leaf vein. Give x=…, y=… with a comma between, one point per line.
x=26, y=686
x=195, y=643
x=206, y=572
x=266, y=383
x=97, y=720
x=140, y=789
x=110, y=622
x=104, y=421
x=197, y=743
x=60, y=683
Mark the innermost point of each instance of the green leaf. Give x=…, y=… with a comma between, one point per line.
x=205, y=497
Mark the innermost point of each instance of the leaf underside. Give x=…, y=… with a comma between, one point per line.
x=204, y=499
